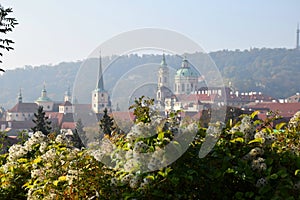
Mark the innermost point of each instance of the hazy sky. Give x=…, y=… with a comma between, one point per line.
x=52, y=31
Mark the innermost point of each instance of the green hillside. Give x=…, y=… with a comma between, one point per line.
x=274, y=72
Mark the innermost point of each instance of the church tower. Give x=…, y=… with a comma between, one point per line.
x=20, y=99
x=163, y=89
x=297, y=39
x=100, y=97
x=68, y=96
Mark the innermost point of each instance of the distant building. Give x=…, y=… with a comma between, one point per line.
x=286, y=110
x=186, y=79
x=45, y=101
x=20, y=116
x=100, y=97
x=294, y=98
x=21, y=111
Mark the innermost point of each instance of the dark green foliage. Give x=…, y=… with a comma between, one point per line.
x=141, y=109
x=106, y=123
x=41, y=122
x=6, y=25
x=79, y=135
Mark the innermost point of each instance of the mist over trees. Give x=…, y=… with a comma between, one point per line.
x=274, y=72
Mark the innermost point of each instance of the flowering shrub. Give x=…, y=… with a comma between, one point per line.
x=251, y=160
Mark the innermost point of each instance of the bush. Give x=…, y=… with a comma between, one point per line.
x=251, y=160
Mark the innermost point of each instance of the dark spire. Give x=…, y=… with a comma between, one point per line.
x=163, y=61
x=100, y=85
x=297, y=39
x=20, y=96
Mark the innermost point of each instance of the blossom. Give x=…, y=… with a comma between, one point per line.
x=261, y=182
x=134, y=182
x=61, y=138
x=140, y=146
x=258, y=164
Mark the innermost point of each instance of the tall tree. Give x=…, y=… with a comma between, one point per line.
x=106, y=123
x=41, y=122
x=81, y=133
x=6, y=25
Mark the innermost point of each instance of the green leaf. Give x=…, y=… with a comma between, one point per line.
x=297, y=172
x=254, y=114
x=258, y=140
x=160, y=136
x=274, y=176
x=62, y=178
x=239, y=139
x=280, y=125
x=55, y=182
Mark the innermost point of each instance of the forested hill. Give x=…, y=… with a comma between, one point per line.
x=275, y=72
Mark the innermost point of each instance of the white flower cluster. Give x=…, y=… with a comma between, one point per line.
x=61, y=138
x=261, y=182
x=140, y=146
x=157, y=160
x=247, y=128
x=297, y=186
x=133, y=180
x=214, y=129
x=18, y=151
x=259, y=164
x=140, y=130
x=257, y=151
x=294, y=122
x=105, y=148
x=266, y=139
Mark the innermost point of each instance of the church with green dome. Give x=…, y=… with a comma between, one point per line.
x=186, y=79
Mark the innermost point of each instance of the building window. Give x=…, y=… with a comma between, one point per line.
x=165, y=79
x=182, y=87
x=48, y=107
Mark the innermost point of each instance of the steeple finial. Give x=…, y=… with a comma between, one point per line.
x=100, y=84
x=185, y=63
x=44, y=92
x=297, y=39
x=20, y=96
x=163, y=61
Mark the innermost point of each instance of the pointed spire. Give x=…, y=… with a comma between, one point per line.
x=20, y=96
x=100, y=84
x=44, y=92
x=163, y=61
x=297, y=39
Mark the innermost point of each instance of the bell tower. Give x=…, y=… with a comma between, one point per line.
x=100, y=97
x=163, y=83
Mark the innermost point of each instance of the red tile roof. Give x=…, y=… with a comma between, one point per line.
x=284, y=109
x=66, y=103
x=24, y=107
x=68, y=125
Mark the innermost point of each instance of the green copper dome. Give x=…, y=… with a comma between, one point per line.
x=43, y=99
x=185, y=70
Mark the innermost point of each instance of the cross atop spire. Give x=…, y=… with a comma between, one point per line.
x=100, y=84
x=297, y=39
x=20, y=96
